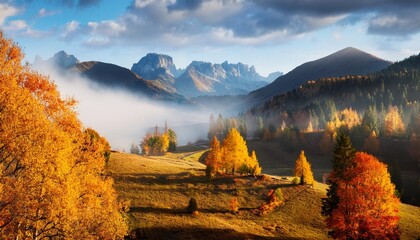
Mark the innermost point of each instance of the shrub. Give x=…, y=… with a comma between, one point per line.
x=192, y=205
x=234, y=205
x=296, y=180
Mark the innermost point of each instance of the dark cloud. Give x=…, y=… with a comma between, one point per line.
x=396, y=23
x=74, y=3
x=390, y=17
x=185, y=5
x=189, y=22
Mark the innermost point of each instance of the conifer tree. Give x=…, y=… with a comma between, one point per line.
x=343, y=160
x=303, y=169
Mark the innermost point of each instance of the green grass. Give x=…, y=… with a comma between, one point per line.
x=159, y=189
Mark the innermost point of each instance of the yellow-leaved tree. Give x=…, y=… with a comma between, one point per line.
x=51, y=170
x=393, y=122
x=303, y=169
x=232, y=156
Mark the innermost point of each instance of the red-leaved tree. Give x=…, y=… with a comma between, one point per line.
x=368, y=207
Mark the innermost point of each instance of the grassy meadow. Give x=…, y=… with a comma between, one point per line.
x=159, y=189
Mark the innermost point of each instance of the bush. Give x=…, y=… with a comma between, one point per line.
x=296, y=180
x=234, y=205
x=192, y=205
x=279, y=195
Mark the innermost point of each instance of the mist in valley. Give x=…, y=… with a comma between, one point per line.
x=124, y=117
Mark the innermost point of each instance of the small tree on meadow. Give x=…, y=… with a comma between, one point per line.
x=213, y=159
x=303, y=169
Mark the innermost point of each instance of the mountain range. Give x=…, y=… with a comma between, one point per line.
x=156, y=76
x=348, y=61
x=201, y=78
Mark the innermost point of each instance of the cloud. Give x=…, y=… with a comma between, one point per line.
x=7, y=10
x=44, y=13
x=230, y=22
x=21, y=28
x=79, y=3
x=123, y=117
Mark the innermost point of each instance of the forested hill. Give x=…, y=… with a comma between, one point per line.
x=397, y=85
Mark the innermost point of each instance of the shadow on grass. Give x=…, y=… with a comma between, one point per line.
x=174, y=233
x=175, y=211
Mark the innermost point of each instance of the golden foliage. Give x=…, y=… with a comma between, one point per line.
x=368, y=207
x=393, y=122
x=303, y=169
x=51, y=172
x=232, y=156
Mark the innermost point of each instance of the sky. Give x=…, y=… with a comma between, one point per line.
x=272, y=35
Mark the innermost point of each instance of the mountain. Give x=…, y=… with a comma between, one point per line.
x=155, y=66
x=273, y=76
x=61, y=59
x=396, y=85
x=200, y=78
x=204, y=78
x=347, y=61
x=114, y=76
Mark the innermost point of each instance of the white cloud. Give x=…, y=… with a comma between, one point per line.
x=6, y=11
x=21, y=28
x=44, y=12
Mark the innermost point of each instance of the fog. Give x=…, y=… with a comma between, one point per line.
x=123, y=117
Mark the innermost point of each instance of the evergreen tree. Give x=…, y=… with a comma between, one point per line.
x=343, y=160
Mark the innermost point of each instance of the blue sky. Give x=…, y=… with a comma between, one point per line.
x=271, y=35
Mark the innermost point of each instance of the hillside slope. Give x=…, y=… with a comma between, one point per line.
x=159, y=189
x=348, y=61
x=114, y=76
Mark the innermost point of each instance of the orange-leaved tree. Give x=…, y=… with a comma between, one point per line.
x=368, y=207
x=51, y=171
x=303, y=169
x=213, y=159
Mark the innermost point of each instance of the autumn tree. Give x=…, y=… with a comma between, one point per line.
x=52, y=182
x=235, y=151
x=232, y=156
x=393, y=124
x=157, y=143
x=343, y=159
x=368, y=208
x=303, y=170
x=213, y=159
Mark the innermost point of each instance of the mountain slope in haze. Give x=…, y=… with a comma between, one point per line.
x=114, y=76
x=204, y=78
x=60, y=60
x=348, y=61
